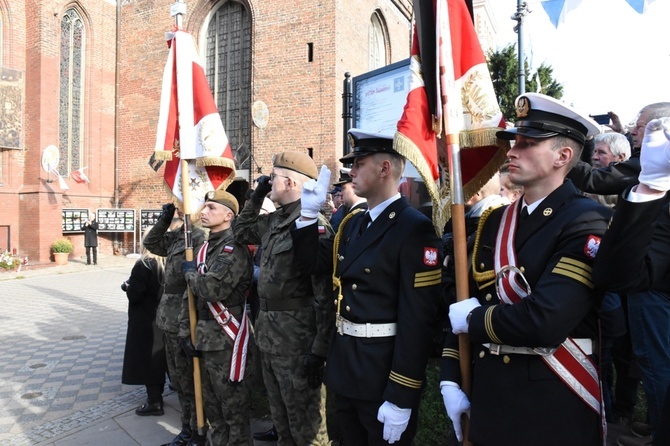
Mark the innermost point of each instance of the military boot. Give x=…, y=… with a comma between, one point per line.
x=182, y=438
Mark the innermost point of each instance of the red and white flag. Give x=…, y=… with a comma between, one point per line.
x=190, y=128
x=448, y=68
x=79, y=176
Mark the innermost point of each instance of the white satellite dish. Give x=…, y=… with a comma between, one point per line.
x=50, y=158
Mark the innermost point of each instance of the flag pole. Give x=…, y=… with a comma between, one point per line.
x=451, y=104
x=177, y=10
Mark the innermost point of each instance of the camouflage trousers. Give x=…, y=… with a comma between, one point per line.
x=226, y=404
x=298, y=412
x=180, y=367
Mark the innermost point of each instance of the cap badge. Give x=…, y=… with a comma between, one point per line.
x=352, y=142
x=547, y=212
x=522, y=107
x=210, y=195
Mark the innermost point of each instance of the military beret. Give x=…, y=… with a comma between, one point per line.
x=366, y=143
x=540, y=116
x=297, y=162
x=225, y=198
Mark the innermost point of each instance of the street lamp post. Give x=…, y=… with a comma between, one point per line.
x=521, y=12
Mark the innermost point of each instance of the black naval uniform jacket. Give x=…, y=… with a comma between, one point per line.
x=391, y=273
x=635, y=252
x=516, y=398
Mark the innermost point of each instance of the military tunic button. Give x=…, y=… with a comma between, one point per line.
x=335, y=301
x=488, y=296
x=354, y=287
x=367, y=270
x=392, y=215
x=522, y=269
x=348, y=308
x=482, y=266
x=482, y=354
x=506, y=359
x=340, y=258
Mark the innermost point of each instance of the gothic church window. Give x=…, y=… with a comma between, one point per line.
x=228, y=70
x=70, y=116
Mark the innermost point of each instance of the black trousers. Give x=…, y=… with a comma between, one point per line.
x=88, y=254
x=359, y=425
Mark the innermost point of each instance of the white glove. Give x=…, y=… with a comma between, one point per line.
x=395, y=420
x=314, y=194
x=456, y=403
x=655, y=155
x=458, y=314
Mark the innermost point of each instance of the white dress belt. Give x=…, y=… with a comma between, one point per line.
x=585, y=344
x=345, y=327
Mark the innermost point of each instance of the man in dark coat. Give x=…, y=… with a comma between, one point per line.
x=534, y=304
x=634, y=258
x=90, y=229
x=387, y=277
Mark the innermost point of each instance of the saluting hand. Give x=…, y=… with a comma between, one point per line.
x=655, y=155
x=314, y=194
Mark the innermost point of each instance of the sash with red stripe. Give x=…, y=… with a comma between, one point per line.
x=568, y=361
x=238, y=332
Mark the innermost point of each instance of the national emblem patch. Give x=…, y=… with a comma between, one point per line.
x=591, y=246
x=430, y=256
x=227, y=248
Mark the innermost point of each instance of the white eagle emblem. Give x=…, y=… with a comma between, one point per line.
x=430, y=256
x=591, y=246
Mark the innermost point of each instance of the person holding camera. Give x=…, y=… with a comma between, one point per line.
x=90, y=229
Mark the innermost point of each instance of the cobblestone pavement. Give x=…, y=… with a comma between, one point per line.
x=63, y=335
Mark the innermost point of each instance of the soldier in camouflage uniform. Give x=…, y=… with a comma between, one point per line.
x=296, y=318
x=171, y=244
x=220, y=281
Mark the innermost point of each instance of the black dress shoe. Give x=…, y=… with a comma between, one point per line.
x=147, y=409
x=268, y=435
x=183, y=438
x=198, y=440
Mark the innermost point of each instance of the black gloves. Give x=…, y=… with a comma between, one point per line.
x=124, y=286
x=188, y=348
x=167, y=213
x=314, y=370
x=262, y=188
x=188, y=265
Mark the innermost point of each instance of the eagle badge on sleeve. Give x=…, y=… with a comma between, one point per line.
x=430, y=256
x=591, y=246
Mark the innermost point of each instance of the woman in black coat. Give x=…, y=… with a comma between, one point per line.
x=144, y=358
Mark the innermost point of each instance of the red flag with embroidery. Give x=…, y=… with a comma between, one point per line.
x=448, y=67
x=189, y=126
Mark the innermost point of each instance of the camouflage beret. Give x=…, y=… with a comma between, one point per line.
x=297, y=162
x=225, y=198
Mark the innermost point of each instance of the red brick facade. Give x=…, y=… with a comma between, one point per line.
x=304, y=98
